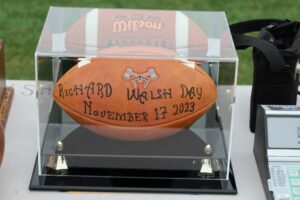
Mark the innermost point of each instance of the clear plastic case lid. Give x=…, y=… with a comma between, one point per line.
x=87, y=32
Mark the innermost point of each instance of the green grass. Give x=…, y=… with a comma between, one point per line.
x=21, y=22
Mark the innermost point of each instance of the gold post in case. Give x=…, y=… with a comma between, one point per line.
x=58, y=163
x=206, y=169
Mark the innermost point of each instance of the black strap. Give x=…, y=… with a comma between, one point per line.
x=270, y=51
x=253, y=25
x=296, y=45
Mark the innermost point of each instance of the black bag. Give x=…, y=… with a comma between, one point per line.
x=275, y=55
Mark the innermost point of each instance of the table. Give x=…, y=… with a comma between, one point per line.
x=21, y=150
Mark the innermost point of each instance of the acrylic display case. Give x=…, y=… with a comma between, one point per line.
x=181, y=142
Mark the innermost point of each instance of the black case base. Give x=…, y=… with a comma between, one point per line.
x=118, y=182
x=135, y=174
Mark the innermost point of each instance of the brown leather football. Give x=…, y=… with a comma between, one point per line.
x=135, y=99
x=1, y=144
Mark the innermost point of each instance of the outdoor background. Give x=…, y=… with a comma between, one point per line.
x=21, y=22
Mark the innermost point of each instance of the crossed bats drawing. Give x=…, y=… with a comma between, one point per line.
x=136, y=78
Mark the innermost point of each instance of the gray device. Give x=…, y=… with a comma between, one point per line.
x=277, y=150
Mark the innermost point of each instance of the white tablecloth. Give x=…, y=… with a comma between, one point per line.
x=21, y=151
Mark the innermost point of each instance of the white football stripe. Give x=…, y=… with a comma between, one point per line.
x=214, y=47
x=91, y=32
x=182, y=34
x=190, y=64
x=83, y=62
x=58, y=42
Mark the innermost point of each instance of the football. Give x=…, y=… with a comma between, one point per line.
x=146, y=32
x=135, y=99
